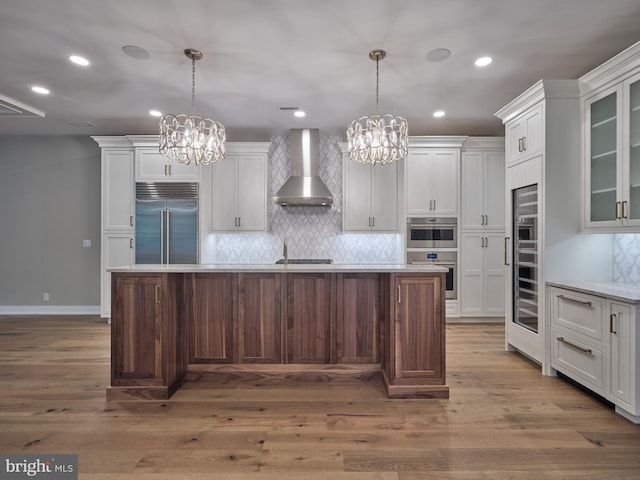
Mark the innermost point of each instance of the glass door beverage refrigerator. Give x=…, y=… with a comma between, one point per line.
x=525, y=285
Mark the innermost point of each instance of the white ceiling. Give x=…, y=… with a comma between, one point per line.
x=260, y=55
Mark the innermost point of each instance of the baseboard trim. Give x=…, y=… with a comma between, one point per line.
x=50, y=310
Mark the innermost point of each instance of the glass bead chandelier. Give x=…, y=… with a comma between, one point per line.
x=190, y=138
x=378, y=139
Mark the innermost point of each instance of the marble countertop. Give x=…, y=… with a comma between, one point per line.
x=273, y=268
x=616, y=291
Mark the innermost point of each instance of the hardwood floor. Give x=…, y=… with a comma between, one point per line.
x=504, y=420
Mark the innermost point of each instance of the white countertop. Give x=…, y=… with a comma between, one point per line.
x=613, y=290
x=273, y=268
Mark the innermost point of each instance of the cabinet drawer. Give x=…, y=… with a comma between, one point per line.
x=578, y=312
x=579, y=359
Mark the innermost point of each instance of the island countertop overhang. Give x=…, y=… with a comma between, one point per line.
x=275, y=268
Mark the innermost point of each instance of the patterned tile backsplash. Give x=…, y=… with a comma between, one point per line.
x=311, y=232
x=626, y=258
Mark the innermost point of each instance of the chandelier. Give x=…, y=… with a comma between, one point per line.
x=190, y=138
x=378, y=138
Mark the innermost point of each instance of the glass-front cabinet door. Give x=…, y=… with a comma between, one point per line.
x=631, y=133
x=612, y=147
x=603, y=158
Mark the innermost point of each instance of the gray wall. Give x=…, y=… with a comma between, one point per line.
x=50, y=197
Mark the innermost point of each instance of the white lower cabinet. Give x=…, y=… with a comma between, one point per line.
x=482, y=274
x=594, y=341
x=117, y=250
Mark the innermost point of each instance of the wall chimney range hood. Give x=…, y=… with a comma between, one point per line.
x=304, y=187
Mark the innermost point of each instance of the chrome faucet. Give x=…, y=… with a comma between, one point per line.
x=285, y=252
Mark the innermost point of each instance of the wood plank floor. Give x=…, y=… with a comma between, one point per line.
x=504, y=420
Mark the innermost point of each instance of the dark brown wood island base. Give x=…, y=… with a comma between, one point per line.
x=302, y=323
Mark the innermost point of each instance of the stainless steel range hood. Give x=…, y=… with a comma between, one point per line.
x=304, y=186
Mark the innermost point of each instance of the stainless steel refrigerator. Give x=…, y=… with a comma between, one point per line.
x=166, y=223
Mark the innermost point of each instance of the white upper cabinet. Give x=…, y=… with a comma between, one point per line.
x=239, y=190
x=483, y=184
x=152, y=166
x=611, y=144
x=370, y=195
x=524, y=136
x=118, y=199
x=432, y=175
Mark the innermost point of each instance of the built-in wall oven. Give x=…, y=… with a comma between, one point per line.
x=448, y=260
x=437, y=232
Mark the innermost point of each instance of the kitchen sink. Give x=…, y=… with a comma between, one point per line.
x=306, y=261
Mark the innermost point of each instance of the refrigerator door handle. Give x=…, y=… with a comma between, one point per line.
x=506, y=251
x=168, y=236
x=162, y=236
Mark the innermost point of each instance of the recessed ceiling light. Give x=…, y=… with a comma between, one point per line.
x=79, y=60
x=438, y=113
x=483, y=61
x=438, y=55
x=299, y=113
x=138, y=53
x=40, y=90
x=155, y=113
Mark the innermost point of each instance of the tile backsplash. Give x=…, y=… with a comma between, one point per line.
x=626, y=258
x=311, y=232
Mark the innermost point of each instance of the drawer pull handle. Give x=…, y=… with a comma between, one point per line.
x=575, y=300
x=577, y=347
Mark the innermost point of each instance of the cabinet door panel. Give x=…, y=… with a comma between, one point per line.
x=252, y=193
x=473, y=166
x=494, y=299
x=445, y=182
x=136, y=330
x=308, y=317
x=118, y=186
x=494, y=190
x=357, y=195
x=358, y=318
x=419, y=345
x=472, y=274
x=223, y=194
x=259, y=318
x=385, y=197
x=211, y=337
x=417, y=178
x=622, y=372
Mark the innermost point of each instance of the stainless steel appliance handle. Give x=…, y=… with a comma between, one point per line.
x=168, y=236
x=506, y=251
x=162, y=235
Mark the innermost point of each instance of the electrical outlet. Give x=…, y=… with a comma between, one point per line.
x=45, y=297
x=86, y=243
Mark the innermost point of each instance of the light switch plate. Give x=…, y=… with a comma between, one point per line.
x=86, y=243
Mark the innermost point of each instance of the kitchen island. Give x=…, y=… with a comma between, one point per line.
x=175, y=322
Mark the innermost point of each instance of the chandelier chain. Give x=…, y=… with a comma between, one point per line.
x=193, y=86
x=377, y=86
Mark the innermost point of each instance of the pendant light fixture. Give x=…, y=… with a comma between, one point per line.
x=190, y=138
x=378, y=139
